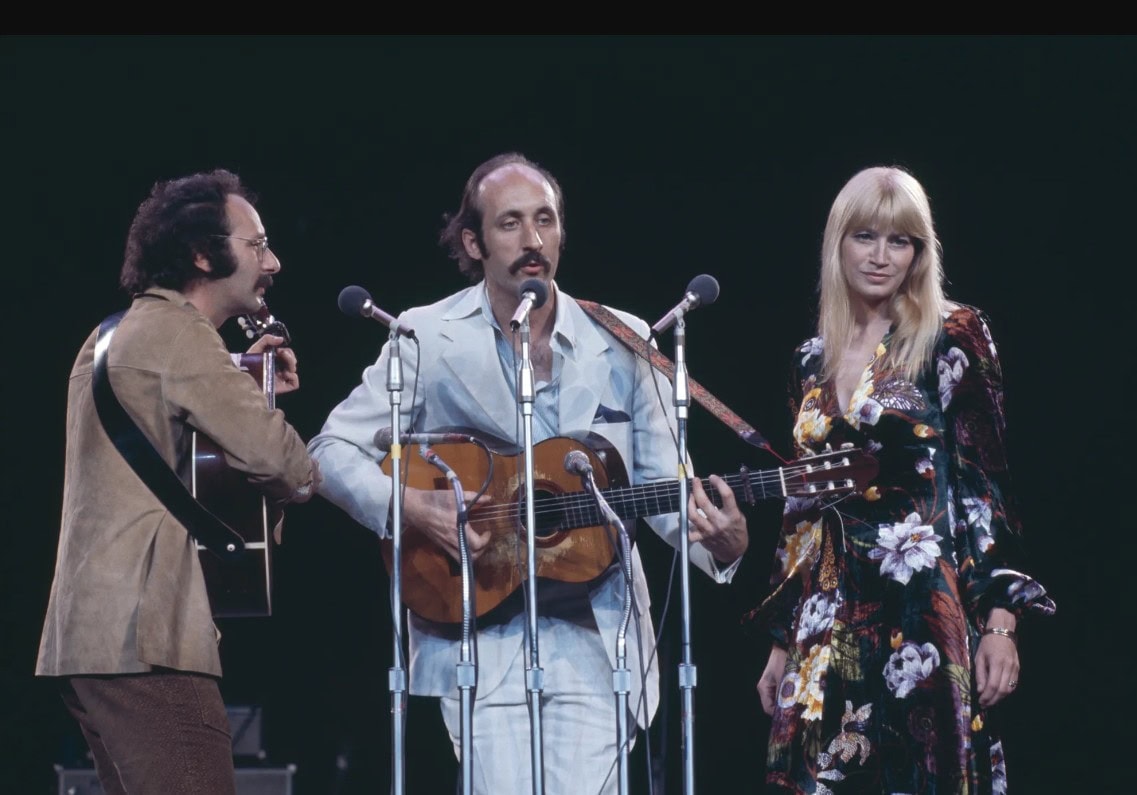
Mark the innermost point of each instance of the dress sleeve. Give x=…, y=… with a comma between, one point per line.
x=986, y=532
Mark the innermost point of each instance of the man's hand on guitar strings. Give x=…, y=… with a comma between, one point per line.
x=434, y=513
x=721, y=530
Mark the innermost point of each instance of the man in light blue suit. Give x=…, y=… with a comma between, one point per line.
x=508, y=229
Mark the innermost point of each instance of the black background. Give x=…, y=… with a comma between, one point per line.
x=677, y=156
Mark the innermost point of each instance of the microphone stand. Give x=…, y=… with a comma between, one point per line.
x=621, y=675
x=687, y=672
x=467, y=667
x=397, y=674
x=534, y=675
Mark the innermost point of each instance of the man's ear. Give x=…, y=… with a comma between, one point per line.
x=470, y=243
x=201, y=262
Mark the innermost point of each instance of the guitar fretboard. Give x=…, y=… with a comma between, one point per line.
x=651, y=499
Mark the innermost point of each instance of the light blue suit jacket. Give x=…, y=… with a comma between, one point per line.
x=461, y=383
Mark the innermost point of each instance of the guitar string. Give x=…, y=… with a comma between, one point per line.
x=558, y=504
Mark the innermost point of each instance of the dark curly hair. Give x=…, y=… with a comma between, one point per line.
x=469, y=214
x=180, y=219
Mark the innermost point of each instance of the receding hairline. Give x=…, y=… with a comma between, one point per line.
x=480, y=188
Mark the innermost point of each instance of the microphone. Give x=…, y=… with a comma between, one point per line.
x=534, y=293
x=576, y=463
x=703, y=289
x=354, y=300
x=384, y=438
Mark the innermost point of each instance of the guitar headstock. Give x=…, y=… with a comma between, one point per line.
x=261, y=322
x=845, y=471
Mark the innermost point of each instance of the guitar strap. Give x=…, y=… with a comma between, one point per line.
x=644, y=349
x=149, y=465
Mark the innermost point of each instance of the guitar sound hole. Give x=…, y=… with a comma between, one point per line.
x=547, y=513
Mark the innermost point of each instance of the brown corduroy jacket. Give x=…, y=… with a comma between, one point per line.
x=128, y=592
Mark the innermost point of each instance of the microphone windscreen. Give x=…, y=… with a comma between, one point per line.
x=538, y=288
x=576, y=463
x=706, y=287
x=383, y=438
x=351, y=300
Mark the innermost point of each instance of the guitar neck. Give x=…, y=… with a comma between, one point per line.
x=829, y=473
x=262, y=367
x=652, y=499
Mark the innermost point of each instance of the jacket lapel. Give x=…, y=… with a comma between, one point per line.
x=469, y=352
x=586, y=371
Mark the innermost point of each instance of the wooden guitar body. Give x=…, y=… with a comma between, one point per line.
x=564, y=550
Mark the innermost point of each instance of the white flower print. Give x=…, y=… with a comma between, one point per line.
x=816, y=616
x=998, y=770
x=926, y=466
x=788, y=690
x=862, y=407
x=979, y=516
x=905, y=548
x=908, y=666
x=950, y=368
x=990, y=340
x=799, y=505
x=978, y=512
x=811, y=348
x=957, y=527
x=803, y=686
x=1023, y=590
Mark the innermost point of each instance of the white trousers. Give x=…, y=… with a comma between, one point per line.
x=578, y=720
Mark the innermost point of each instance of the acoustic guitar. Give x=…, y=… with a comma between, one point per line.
x=572, y=542
x=242, y=587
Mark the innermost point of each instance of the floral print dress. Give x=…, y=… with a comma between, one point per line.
x=879, y=598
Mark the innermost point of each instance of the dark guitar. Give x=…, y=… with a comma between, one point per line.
x=242, y=587
x=573, y=545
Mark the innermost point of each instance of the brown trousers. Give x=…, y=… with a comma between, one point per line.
x=159, y=733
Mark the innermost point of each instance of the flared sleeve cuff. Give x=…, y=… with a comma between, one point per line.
x=1011, y=590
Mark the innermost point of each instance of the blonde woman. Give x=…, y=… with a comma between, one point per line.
x=894, y=613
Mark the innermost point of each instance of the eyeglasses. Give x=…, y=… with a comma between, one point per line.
x=259, y=243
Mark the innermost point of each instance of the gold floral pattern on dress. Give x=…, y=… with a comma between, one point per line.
x=828, y=579
x=804, y=686
x=862, y=407
x=812, y=426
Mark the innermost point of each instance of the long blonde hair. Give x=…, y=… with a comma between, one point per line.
x=884, y=197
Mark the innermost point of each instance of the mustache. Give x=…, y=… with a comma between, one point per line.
x=264, y=281
x=530, y=258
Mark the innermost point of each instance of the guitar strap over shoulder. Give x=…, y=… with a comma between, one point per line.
x=644, y=349
x=149, y=465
